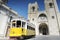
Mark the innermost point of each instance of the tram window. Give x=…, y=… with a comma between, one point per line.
x=18, y=23
x=23, y=24
x=13, y=23
x=30, y=28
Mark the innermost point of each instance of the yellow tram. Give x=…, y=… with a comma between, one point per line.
x=21, y=28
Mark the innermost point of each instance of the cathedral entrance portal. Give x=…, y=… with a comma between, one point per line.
x=43, y=29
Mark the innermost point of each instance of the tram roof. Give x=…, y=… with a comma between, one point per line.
x=19, y=19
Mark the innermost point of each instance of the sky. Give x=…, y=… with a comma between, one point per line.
x=21, y=6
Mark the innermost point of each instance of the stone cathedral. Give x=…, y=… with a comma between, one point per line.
x=46, y=22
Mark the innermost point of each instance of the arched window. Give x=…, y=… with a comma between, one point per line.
x=33, y=8
x=51, y=5
x=42, y=16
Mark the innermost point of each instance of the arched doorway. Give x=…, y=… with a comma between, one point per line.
x=43, y=29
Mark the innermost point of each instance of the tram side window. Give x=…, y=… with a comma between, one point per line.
x=23, y=24
x=30, y=28
x=18, y=23
x=13, y=23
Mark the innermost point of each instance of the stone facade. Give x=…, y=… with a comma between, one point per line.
x=46, y=22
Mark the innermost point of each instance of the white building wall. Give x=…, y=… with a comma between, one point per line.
x=58, y=16
x=5, y=16
x=53, y=24
x=3, y=24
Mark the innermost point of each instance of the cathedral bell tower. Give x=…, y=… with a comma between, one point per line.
x=32, y=11
x=52, y=11
x=51, y=4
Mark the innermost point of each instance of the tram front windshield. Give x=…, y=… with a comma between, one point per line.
x=18, y=23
